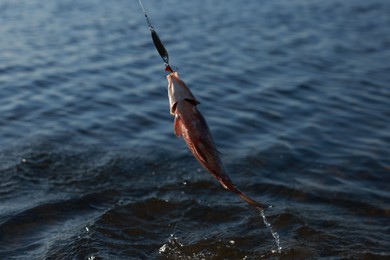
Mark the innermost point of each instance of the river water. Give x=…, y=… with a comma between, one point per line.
x=296, y=94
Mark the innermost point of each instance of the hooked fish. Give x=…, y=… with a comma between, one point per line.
x=191, y=125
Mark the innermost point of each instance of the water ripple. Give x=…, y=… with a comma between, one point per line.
x=295, y=93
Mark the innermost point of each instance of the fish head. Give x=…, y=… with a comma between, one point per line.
x=178, y=92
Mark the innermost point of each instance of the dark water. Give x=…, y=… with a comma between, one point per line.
x=296, y=94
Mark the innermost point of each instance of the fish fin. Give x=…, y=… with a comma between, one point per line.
x=177, y=129
x=198, y=153
x=192, y=101
x=173, y=108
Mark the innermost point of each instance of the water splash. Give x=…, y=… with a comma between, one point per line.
x=273, y=232
x=171, y=246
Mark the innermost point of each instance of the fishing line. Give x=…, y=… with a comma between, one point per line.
x=157, y=42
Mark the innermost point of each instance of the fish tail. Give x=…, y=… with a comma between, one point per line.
x=250, y=201
x=228, y=184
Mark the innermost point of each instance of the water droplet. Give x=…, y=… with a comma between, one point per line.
x=163, y=249
x=273, y=232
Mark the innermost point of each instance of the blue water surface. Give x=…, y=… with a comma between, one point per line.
x=296, y=94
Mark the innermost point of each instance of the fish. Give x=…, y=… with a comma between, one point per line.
x=190, y=124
